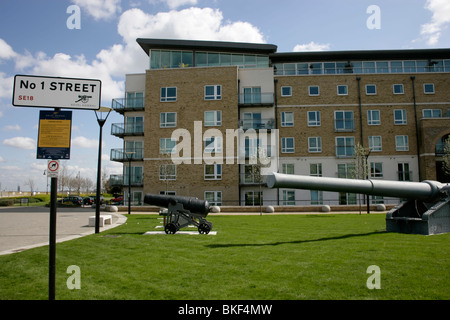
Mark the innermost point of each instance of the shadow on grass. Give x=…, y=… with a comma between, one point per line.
x=346, y=236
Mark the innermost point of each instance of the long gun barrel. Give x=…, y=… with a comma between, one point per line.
x=425, y=191
x=194, y=205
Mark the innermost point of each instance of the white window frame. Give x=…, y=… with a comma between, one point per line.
x=213, y=144
x=400, y=86
x=402, y=120
x=163, y=123
x=317, y=121
x=165, y=98
x=371, y=93
x=370, y=120
x=217, y=95
x=284, y=148
x=318, y=145
x=345, y=155
x=164, y=169
x=288, y=168
x=342, y=86
x=374, y=146
x=217, y=114
x=289, y=93
x=401, y=143
x=434, y=113
x=374, y=166
x=216, y=175
x=216, y=199
x=284, y=121
x=314, y=94
x=425, y=85
x=164, y=149
x=288, y=197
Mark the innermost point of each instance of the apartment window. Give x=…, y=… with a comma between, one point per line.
x=287, y=119
x=135, y=100
x=371, y=89
x=313, y=118
x=167, y=172
x=252, y=120
x=376, y=170
x=137, y=149
x=315, y=169
x=401, y=143
x=253, y=198
x=166, y=145
x=168, y=94
x=373, y=117
x=287, y=168
x=213, y=171
x=313, y=90
x=346, y=170
x=428, y=88
x=400, y=116
x=213, y=92
x=168, y=120
x=398, y=89
x=286, y=91
x=213, y=118
x=289, y=197
x=375, y=143
x=213, y=144
x=343, y=121
x=316, y=197
x=404, y=173
x=136, y=175
x=432, y=113
x=287, y=145
x=252, y=95
x=345, y=146
x=342, y=90
x=214, y=198
x=314, y=144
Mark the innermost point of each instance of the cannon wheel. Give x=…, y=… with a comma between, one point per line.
x=170, y=228
x=204, y=227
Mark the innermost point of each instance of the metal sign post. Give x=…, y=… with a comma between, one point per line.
x=55, y=130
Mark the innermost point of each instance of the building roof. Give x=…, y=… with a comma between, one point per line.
x=407, y=54
x=200, y=45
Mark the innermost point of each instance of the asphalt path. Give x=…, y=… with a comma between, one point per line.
x=23, y=228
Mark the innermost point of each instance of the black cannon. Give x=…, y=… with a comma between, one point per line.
x=181, y=212
x=425, y=211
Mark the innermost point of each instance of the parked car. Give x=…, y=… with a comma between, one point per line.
x=117, y=200
x=88, y=201
x=102, y=200
x=72, y=199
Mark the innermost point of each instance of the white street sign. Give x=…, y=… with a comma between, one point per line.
x=53, y=168
x=54, y=92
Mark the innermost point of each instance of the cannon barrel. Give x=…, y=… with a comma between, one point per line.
x=194, y=205
x=425, y=191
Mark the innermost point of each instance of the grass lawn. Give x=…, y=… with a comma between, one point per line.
x=273, y=257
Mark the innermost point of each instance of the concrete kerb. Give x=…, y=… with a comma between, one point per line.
x=120, y=219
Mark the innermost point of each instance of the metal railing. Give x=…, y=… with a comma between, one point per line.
x=257, y=124
x=122, y=129
x=120, y=155
x=128, y=104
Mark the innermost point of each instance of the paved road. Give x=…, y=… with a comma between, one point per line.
x=22, y=228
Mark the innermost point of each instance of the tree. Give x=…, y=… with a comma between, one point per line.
x=446, y=157
x=361, y=169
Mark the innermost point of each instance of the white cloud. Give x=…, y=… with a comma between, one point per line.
x=312, y=46
x=6, y=52
x=6, y=85
x=20, y=143
x=100, y=9
x=191, y=23
x=173, y=4
x=1, y=159
x=12, y=128
x=431, y=31
x=83, y=142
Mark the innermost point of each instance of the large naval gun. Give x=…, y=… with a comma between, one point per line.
x=181, y=212
x=425, y=209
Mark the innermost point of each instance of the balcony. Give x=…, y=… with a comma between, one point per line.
x=251, y=152
x=256, y=99
x=119, y=155
x=257, y=124
x=121, y=129
x=120, y=180
x=347, y=125
x=248, y=178
x=345, y=151
x=122, y=105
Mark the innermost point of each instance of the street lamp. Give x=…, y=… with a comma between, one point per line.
x=129, y=155
x=101, y=121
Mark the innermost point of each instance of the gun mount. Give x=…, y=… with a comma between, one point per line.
x=425, y=211
x=181, y=212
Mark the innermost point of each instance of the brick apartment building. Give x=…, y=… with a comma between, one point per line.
x=203, y=110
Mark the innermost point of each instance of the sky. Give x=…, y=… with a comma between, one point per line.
x=96, y=39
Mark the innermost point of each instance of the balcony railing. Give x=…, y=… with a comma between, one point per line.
x=345, y=151
x=121, y=180
x=249, y=152
x=347, y=125
x=122, y=129
x=249, y=178
x=128, y=104
x=256, y=99
x=120, y=155
x=257, y=124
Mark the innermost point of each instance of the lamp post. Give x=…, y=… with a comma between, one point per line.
x=129, y=156
x=101, y=122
